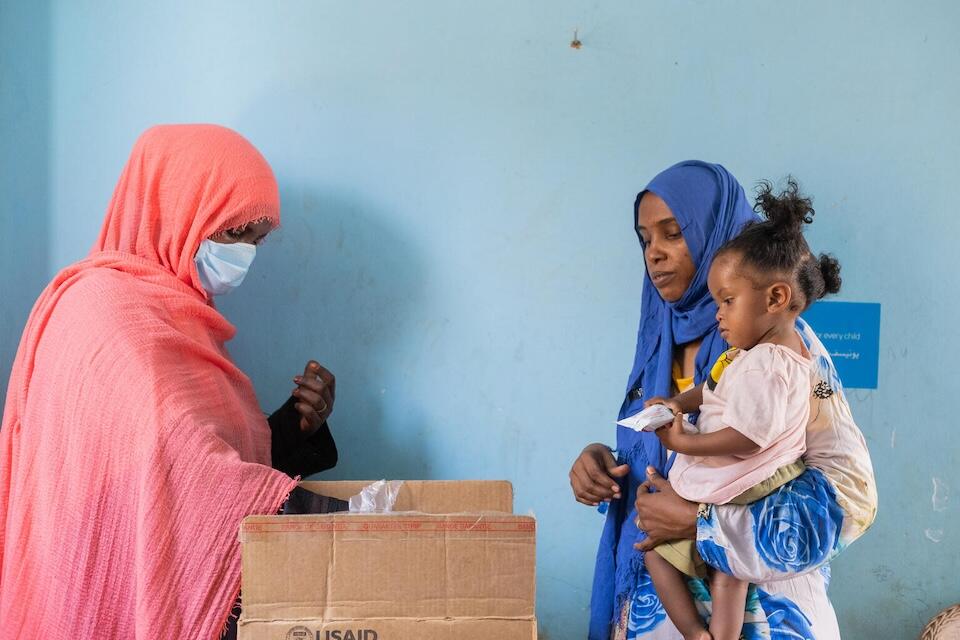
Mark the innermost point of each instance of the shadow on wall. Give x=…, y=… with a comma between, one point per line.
x=24, y=169
x=338, y=282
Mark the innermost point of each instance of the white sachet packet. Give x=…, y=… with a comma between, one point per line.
x=652, y=418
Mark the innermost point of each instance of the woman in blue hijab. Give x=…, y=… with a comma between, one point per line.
x=682, y=218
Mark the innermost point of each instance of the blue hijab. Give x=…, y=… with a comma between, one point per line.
x=711, y=208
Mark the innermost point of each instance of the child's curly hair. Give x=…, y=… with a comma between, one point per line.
x=776, y=244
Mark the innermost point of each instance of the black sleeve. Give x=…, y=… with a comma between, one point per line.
x=295, y=453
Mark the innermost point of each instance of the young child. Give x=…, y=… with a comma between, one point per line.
x=752, y=424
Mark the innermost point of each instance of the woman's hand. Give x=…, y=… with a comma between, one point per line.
x=670, y=403
x=315, y=393
x=663, y=515
x=594, y=475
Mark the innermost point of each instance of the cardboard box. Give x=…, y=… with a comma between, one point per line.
x=456, y=563
x=432, y=496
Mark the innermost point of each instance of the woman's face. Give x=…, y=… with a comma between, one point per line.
x=253, y=233
x=665, y=252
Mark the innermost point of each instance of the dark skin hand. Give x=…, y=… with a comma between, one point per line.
x=594, y=475
x=315, y=393
x=663, y=515
x=316, y=388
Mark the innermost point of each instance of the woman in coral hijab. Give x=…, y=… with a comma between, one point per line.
x=131, y=445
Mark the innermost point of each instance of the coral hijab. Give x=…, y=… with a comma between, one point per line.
x=131, y=445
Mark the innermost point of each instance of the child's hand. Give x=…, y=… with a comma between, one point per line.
x=671, y=434
x=669, y=403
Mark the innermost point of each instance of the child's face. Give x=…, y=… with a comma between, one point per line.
x=742, y=306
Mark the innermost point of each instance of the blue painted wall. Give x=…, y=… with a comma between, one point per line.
x=24, y=158
x=457, y=247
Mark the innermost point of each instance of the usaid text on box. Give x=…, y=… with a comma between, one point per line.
x=304, y=633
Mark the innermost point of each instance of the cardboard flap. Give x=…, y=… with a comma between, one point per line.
x=431, y=496
x=350, y=566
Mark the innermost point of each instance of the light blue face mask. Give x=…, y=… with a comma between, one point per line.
x=222, y=267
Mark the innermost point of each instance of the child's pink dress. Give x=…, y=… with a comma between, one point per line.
x=765, y=395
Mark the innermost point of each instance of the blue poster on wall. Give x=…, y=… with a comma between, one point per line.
x=851, y=333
